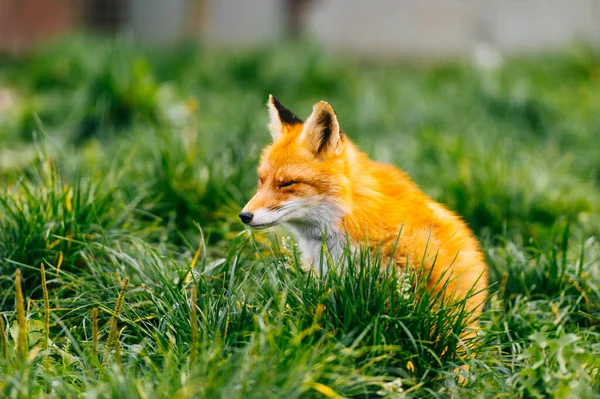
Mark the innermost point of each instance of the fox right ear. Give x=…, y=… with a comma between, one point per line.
x=280, y=117
x=321, y=132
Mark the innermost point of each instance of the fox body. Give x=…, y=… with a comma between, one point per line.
x=315, y=181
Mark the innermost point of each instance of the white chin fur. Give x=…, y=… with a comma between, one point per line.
x=299, y=210
x=304, y=211
x=309, y=219
x=264, y=218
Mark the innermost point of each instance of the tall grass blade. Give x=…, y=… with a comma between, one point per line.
x=113, y=336
x=20, y=305
x=95, y=333
x=194, y=325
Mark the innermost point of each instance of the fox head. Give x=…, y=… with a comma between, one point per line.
x=302, y=174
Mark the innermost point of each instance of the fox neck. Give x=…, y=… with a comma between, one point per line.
x=372, y=213
x=322, y=227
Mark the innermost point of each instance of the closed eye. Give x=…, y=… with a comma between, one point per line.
x=287, y=184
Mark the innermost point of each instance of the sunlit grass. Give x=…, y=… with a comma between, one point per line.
x=122, y=172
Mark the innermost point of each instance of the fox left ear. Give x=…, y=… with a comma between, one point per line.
x=321, y=132
x=279, y=117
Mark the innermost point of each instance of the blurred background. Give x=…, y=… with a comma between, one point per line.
x=130, y=131
x=381, y=27
x=491, y=105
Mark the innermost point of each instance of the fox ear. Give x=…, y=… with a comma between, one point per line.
x=279, y=117
x=321, y=131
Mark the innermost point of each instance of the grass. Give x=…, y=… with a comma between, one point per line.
x=124, y=271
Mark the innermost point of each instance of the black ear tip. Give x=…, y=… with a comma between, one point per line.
x=275, y=101
x=285, y=114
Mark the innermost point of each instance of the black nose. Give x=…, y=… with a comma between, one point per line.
x=246, y=217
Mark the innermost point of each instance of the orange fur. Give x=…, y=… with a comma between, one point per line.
x=366, y=200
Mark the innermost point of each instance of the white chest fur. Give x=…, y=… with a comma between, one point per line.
x=311, y=237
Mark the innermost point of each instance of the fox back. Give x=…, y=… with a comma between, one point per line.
x=315, y=181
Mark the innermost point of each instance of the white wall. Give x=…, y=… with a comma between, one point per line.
x=243, y=22
x=157, y=21
x=437, y=27
x=383, y=27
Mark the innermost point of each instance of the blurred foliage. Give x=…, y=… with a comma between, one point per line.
x=512, y=142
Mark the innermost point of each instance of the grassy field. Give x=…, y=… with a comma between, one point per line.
x=122, y=173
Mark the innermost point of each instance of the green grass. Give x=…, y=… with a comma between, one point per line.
x=122, y=171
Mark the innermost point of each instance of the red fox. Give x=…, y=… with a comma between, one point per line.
x=316, y=182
